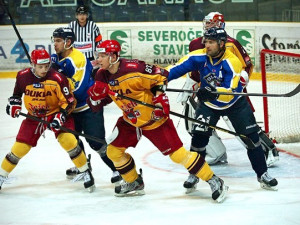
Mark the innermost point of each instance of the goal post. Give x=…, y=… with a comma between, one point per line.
x=280, y=74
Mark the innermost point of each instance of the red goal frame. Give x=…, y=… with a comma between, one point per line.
x=264, y=80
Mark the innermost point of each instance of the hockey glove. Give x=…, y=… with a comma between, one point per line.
x=205, y=94
x=162, y=101
x=98, y=91
x=14, y=106
x=189, y=84
x=58, y=121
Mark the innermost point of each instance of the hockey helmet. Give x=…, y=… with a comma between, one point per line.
x=109, y=47
x=82, y=9
x=64, y=33
x=40, y=56
x=218, y=34
x=213, y=19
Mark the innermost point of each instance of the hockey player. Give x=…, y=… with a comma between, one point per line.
x=47, y=96
x=215, y=151
x=219, y=69
x=145, y=82
x=72, y=63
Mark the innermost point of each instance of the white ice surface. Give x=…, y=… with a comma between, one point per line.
x=41, y=194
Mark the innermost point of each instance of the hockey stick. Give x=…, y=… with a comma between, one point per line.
x=63, y=128
x=243, y=137
x=289, y=94
x=15, y=28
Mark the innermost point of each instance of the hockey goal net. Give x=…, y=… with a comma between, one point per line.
x=281, y=74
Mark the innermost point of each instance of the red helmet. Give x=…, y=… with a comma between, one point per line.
x=40, y=56
x=213, y=19
x=109, y=47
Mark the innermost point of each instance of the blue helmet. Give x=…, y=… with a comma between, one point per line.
x=64, y=33
x=214, y=33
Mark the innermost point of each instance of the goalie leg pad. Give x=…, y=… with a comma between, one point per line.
x=215, y=150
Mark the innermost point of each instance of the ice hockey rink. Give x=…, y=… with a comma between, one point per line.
x=40, y=194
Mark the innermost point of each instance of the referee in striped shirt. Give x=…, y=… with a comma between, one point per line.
x=87, y=33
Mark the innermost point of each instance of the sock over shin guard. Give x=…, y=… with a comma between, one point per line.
x=194, y=163
x=11, y=160
x=123, y=162
x=70, y=144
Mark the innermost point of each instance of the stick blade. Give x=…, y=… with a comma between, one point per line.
x=293, y=92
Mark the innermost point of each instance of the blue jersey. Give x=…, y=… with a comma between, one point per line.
x=222, y=73
x=78, y=69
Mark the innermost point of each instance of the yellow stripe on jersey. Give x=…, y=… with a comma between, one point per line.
x=79, y=63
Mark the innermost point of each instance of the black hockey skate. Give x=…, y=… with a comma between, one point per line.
x=218, y=188
x=134, y=188
x=116, y=178
x=73, y=171
x=89, y=182
x=267, y=182
x=191, y=183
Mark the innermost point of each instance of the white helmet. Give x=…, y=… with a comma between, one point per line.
x=213, y=19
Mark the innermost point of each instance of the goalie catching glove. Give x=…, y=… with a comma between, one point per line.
x=14, y=106
x=189, y=84
x=161, y=101
x=205, y=94
x=57, y=122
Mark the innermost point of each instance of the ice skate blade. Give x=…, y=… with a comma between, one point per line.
x=131, y=193
x=91, y=188
x=191, y=190
x=267, y=187
x=223, y=195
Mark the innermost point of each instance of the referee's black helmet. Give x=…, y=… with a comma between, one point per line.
x=82, y=9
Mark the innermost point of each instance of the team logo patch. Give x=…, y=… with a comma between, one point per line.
x=113, y=83
x=132, y=65
x=38, y=85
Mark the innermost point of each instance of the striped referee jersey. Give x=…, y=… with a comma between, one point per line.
x=87, y=37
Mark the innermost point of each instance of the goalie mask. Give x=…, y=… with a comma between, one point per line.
x=213, y=19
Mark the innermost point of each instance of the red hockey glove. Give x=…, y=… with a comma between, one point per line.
x=162, y=101
x=58, y=121
x=98, y=91
x=14, y=106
